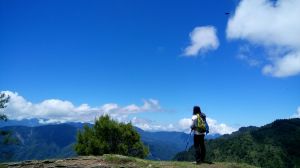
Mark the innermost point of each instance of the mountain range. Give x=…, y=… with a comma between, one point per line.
x=39, y=141
x=273, y=145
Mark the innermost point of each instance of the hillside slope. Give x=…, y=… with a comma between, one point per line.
x=107, y=161
x=52, y=141
x=273, y=145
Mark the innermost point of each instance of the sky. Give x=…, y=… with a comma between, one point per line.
x=149, y=62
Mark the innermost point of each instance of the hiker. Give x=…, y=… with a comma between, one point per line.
x=200, y=128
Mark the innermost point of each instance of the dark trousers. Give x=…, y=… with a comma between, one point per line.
x=199, y=148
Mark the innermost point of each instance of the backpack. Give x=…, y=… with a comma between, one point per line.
x=201, y=125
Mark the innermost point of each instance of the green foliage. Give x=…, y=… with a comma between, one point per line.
x=244, y=148
x=274, y=145
x=4, y=135
x=3, y=117
x=110, y=137
x=7, y=138
x=186, y=155
x=3, y=100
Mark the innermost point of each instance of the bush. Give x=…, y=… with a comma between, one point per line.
x=110, y=137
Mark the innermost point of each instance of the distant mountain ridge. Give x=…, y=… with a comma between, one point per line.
x=34, y=122
x=56, y=141
x=274, y=145
x=24, y=122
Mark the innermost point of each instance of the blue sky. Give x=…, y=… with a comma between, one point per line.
x=127, y=52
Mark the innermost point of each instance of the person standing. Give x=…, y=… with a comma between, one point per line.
x=200, y=128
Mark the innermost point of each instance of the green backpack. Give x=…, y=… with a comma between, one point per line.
x=200, y=126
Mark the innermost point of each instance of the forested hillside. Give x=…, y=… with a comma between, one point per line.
x=51, y=141
x=273, y=145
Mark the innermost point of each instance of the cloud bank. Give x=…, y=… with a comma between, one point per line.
x=273, y=25
x=202, y=39
x=55, y=110
x=61, y=111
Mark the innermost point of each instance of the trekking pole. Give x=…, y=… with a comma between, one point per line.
x=187, y=143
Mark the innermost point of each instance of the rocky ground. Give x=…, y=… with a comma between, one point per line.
x=113, y=161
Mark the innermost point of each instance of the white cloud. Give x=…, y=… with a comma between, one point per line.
x=297, y=115
x=55, y=110
x=214, y=126
x=60, y=111
x=202, y=39
x=149, y=125
x=245, y=54
x=286, y=66
x=271, y=25
x=220, y=128
x=250, y=61
x=183, y=125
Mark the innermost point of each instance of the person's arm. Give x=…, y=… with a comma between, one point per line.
x=193, y=126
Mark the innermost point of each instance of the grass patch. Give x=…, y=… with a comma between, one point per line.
x=128, y=161
x=136, y=162
x=119, y=159
x=2, y=166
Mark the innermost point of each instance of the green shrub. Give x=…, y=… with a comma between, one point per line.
x=110, y=137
